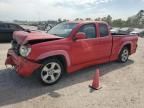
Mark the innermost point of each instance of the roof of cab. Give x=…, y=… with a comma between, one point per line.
x=84, y=22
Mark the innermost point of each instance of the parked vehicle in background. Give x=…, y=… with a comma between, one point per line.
x=135, y=33
x=115, y=30
x=125, y=30
x=6, y=31
x=45, y=27
x=142, y=33
x=30, y=28
x=67, y=47
x=139, y=32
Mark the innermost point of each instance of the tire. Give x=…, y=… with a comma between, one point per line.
x=51, y=71
x=124, y=55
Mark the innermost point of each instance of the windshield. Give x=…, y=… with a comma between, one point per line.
x=62, y=29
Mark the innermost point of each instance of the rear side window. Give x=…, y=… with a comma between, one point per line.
x=103, y=29
x=89, y=30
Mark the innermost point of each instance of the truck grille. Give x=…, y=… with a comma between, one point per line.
x=15, y=47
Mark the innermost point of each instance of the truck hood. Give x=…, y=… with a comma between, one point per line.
x=23, y=37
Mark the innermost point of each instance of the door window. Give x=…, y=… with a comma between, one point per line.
x=89, y=30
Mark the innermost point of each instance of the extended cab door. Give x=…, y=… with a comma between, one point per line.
x=103, y=43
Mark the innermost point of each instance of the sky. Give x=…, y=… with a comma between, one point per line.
x=67, y=9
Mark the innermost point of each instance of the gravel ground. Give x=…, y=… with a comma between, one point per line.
x=122, y=86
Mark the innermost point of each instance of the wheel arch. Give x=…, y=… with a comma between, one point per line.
x=128, y=45
x=59, y=54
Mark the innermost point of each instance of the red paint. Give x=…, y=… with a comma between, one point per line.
x=78, y=54
x=23, y=66
x=23, y=37
x=54, y=53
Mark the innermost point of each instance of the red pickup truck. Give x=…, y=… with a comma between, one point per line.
x=67, y=47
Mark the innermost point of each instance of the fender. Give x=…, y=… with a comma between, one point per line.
x=126, y=43
x=54, y=53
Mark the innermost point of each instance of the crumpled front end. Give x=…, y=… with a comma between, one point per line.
x=23, y=66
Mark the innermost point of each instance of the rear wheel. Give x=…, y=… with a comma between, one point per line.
x=51, y=71
x=124, y=54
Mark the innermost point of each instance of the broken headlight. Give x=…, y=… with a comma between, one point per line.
x=24, y=50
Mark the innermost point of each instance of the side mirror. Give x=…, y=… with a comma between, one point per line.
x=79, y=35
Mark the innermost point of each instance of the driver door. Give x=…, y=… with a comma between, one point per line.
x=82, y=49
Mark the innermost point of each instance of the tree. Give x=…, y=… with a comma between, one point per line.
x=109, y=19
x=118, y=23
x=128, y=22
x=81, y=19
x=104, y=19
x=88, y=19
x=59, y=20
x=98, y=19
x=77, y=19
x=64, y=20
x=136, y=20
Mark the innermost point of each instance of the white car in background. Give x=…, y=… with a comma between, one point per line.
x=115, y=30
x=126, y=30
x=139, y=32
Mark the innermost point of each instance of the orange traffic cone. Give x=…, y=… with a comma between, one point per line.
x=95, y=83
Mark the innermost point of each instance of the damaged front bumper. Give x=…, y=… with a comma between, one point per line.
x=23, y=66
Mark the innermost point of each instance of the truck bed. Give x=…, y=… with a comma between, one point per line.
x=120, y=34
x=119, y=40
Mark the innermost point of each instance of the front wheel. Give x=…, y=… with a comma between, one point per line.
x=124, y=54
x=51, y=71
